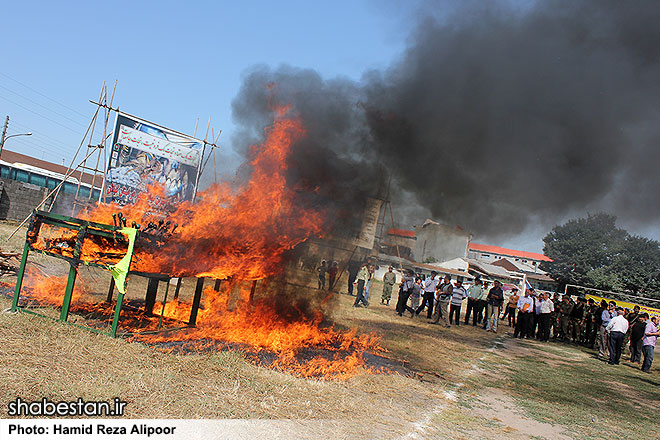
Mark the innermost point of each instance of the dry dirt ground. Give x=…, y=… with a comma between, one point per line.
x=462, y=382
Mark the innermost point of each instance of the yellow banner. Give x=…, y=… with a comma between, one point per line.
x=627, y=305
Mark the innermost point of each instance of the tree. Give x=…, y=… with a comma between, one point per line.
x=635, y=267
x=595, y=253
x=580, y=246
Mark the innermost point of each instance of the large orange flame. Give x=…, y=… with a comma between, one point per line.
x=239, y=234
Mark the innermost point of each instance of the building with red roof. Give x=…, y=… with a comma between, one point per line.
x=491, y=254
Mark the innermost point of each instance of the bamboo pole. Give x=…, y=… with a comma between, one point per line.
x=104, y=93
x=215, y=175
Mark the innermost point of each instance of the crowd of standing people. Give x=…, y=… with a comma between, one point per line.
x=532, y=314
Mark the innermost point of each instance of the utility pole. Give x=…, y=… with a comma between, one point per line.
x=5, y=137
x=4, y=133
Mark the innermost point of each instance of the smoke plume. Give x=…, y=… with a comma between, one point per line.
x=492, y=118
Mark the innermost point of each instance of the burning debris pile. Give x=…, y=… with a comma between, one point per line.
x=237, y=235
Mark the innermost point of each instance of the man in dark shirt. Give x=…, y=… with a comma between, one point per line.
x=590, y=324
x=495, y=298
x=556, y=328
x=353, y=269
x=636, y=335
x=565, y=309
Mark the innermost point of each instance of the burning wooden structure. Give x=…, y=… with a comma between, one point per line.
x=108, y=247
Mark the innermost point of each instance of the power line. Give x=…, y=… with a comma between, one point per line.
x=38, y=114
x=42, y=106
x=97, y=133
x=33, y=144
x=39, y=134
x=29, y=150
x=45, y=96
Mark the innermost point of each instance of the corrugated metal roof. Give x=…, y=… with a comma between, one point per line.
x=492, y=270
x=443, y=270
x=508, y=252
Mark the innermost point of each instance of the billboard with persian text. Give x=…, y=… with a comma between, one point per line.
x=145, y=154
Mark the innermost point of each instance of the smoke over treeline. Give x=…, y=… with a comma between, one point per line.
x=492, y=118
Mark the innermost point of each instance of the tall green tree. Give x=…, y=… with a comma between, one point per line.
x=635, y=267
x=581, y=246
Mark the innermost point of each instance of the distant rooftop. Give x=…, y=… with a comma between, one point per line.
x=401, y=233
x=507, y=252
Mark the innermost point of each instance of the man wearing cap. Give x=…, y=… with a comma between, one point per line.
x=617, y=329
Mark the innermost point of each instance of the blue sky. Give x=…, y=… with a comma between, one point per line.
x=174, y=61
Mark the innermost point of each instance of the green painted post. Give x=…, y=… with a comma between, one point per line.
x=73, y=271
x=66, y=302
x=115, y=319
x=19, y=278
x=120, y=300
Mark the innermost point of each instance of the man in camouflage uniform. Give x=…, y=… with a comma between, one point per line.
x=389, y=279
x=576, y=323
x=554, y=318
x=565, y=309
x=590, y=323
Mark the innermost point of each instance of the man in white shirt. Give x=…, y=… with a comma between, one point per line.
x=547, y=307
x=442, y=298
x=457, y=295
x=525, y=308
x=430, y=286
x=617, y=329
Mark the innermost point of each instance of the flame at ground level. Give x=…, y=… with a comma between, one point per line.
x=257, y=327
x=303, y=347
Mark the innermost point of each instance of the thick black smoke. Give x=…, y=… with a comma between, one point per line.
x=493, y=118
x=334, y=162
